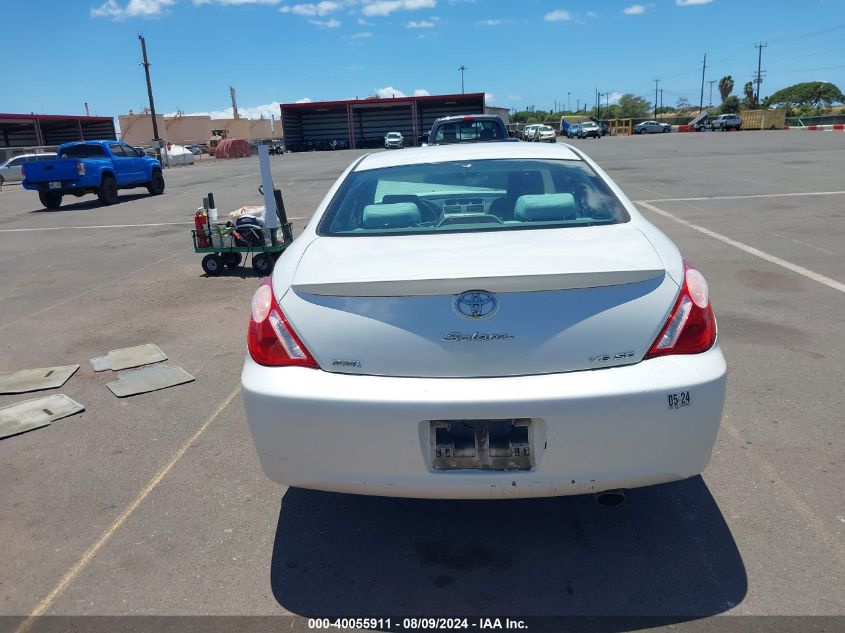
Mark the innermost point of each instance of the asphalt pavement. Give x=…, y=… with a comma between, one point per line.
x=156, y=504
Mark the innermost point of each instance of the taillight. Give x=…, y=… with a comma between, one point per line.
x=271, y=340
x=691, y=328
x=80, y=169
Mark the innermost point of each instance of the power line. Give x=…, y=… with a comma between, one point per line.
x=710, y=82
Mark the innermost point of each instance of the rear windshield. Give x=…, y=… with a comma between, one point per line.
x=485, y=195
x=469, y=131
x=83, y=151
x=393, y=135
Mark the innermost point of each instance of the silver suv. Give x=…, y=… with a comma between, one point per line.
x=726, y=122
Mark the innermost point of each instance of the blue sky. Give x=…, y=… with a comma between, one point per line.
x=527, y=52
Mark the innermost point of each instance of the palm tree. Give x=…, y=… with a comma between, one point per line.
x=726, y=87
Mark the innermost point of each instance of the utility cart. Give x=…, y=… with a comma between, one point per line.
x=226, y=245
x=229, y=246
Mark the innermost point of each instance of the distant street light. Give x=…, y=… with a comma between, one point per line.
x=462, y=68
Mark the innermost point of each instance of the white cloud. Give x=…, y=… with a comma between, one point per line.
x=235, y=2
x=420, y=24
x=389, y=91
x=266, y=110
x=363, y=22
x=634, y=9
x=513, y=97
x=591, y=14
x=331, y=23
x=489, y=97
x=312, y=9
x=421, y=92
x=490, y=22
x=361, y=36
x=304, y=100
x=686, y=3
x=133, y=9
x=614, y=97
x=558, y=16
x=386, y=7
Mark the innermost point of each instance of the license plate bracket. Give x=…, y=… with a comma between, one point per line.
x=54, y=185
x=482, y=444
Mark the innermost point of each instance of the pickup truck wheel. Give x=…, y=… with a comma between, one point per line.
x=50, y=199
x=156, y=185
x=107, y=192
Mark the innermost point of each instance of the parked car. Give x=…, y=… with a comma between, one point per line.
x=101, y=167
x=726, y=122
x=573, y=131
x=10, y=171
x=394, y=140
x=589, y=129
x=652, y=127
x=475, y=128
x=439, y=361
x=544, y=134
x=530, y=131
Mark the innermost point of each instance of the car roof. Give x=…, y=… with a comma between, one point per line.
x=467, y=151
x=457, y=117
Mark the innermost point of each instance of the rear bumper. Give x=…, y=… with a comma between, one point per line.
x=593, y=430
x=68, y=186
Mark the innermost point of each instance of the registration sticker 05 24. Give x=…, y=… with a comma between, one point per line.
x=679, y=399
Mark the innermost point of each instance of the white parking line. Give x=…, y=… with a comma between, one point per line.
x=805, y=272
x=84, y=228
x=749, y=196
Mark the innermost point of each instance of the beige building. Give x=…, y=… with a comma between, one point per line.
x=137, y=129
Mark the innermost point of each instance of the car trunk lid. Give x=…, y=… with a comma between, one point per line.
x=563, y=300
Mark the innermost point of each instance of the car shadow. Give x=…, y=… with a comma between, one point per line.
x=666, y=555
x=91, y=203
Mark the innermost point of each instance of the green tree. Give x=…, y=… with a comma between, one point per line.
x=726, y=87
x=633, y=107
x=731, y=105
x=812, y=93
x=749, y=101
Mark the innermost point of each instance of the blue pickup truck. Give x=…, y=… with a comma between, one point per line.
x=100, y=167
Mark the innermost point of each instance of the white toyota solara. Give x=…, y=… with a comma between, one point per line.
x=481, y=321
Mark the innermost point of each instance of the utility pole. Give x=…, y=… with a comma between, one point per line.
x=656, y=84
x=710, y=83
x=568, y=102
x=759, y=78
x=598, y=105
x=462, y=68
x=578, y=104
x=701, y=100
x=607, y=101
x=661, y=99
x=87, y=113
x=146, y=65
x=235, y=114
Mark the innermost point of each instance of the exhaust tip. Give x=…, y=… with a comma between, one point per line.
x=610, y=498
